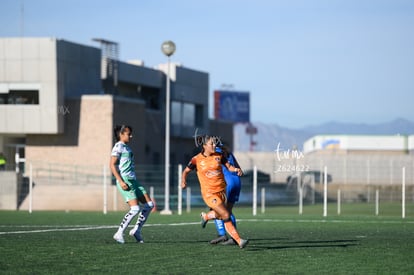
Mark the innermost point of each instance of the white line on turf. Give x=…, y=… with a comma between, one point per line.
x=54, y=228
x=73, y=228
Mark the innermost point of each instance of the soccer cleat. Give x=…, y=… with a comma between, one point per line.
x=137, y=236
x=203, y=220
x=229, y=242
x=243, y=243
x=119, y=237
x=219, y=240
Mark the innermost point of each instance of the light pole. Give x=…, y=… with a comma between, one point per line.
x=168, y=48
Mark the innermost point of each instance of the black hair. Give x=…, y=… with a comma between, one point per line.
x=202, y=140
x=119, y=129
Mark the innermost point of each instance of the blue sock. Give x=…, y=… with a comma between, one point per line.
x=220, y=227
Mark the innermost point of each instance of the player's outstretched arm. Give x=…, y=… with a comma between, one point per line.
x=184, y=177
x=234, y=169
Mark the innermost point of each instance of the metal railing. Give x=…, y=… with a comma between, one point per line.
x=263, y=194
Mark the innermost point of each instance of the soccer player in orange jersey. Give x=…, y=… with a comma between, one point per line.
x=213, y=186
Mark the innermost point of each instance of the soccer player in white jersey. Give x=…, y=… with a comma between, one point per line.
x=123, y=168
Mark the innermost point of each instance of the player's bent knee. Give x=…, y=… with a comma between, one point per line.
x=134, y=210
x=227, y=220
x=149, y=205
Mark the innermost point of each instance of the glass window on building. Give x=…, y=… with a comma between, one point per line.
x=175, y=113
x=199, y=119
x=186, y=114
x=20, y=97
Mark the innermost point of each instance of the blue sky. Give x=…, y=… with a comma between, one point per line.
x=304, y=62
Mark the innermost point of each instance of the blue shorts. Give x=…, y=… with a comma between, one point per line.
x=233, y=188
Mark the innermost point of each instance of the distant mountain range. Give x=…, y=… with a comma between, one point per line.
x=270, y=135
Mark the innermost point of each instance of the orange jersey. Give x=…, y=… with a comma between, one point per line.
x=209, y=172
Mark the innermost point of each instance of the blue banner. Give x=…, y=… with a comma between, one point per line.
x=232, y=106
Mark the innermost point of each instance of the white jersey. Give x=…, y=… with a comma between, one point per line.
x=125, y=164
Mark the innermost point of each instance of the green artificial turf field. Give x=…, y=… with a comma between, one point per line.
x=281, y=242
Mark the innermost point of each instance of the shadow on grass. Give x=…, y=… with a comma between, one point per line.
x=259, y=244
x=153, y=241
x=267, y=244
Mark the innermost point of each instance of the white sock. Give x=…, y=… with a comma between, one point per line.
x=128, y=218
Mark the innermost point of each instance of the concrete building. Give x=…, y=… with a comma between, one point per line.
x=59, y=103
x=359, y=144
x=357, y=159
